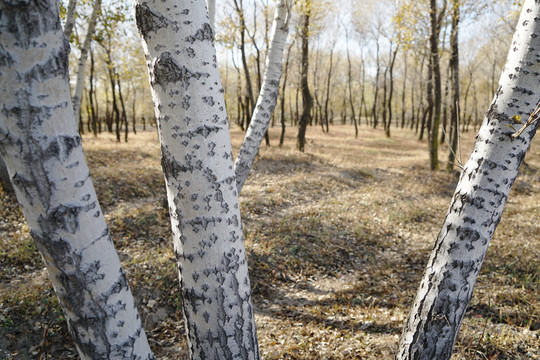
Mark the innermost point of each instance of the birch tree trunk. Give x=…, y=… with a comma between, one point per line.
x=70, y=18
x=447, y=285
x=267, y=100
x=42, y=150
x=199, y=173
x=81, y=66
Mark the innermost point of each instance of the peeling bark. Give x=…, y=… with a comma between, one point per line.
x=199, y=173
x=447, y=285
x=40, y=144
x=267, y=100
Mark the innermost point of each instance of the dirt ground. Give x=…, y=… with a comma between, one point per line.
x=337, y=239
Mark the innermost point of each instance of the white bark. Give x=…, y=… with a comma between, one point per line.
x=42, y=150
x=70, y=18
x=267, y=98
x=198, y=166
x=81, y=66
x=447, y=285
x=211, y=4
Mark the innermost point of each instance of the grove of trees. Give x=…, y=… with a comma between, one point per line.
x=383, y=64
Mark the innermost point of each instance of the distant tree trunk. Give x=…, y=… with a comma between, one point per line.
x=81, y=66
x=124, y=114
x=41, y=146
x=349, y=81
x=267, y=100
x=403, y=93
x=283, y=92
x=328, y=81
x=427, y=116
x=133, y=110
x=481, y=194
x=70, y=18
x=454, y=74
x=240, y=11
x=436, y=108
x=391, y=90
x=115, y=110
x=201, y=188
x=307, y=101
x=363, y=103
x=374, y=113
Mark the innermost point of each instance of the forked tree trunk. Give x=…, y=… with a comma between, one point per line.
x=42, y=149
x=199, y=173
x=267, y=98
x=447, y=285
x=81, y=65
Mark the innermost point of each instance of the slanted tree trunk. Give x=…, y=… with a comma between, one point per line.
x=41, y=146
x=267, y=98
x=70, y=18
x=447, y=285
x=199, y=173
x=81, y=66
x=307, y=100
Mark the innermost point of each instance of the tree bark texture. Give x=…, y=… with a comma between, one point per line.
x=81, y=65
x=199, y=172
x=267, y=100
x=42, y=149
x=447, y=285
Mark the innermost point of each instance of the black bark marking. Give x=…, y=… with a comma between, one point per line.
x=148, y=21
x=203, y=34
x=166, y=70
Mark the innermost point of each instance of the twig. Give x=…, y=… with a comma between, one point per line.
x=43, y=342
x=531, y=120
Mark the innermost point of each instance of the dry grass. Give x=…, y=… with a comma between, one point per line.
x=337, y=240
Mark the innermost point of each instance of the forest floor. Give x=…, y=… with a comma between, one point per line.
x=337, y=239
